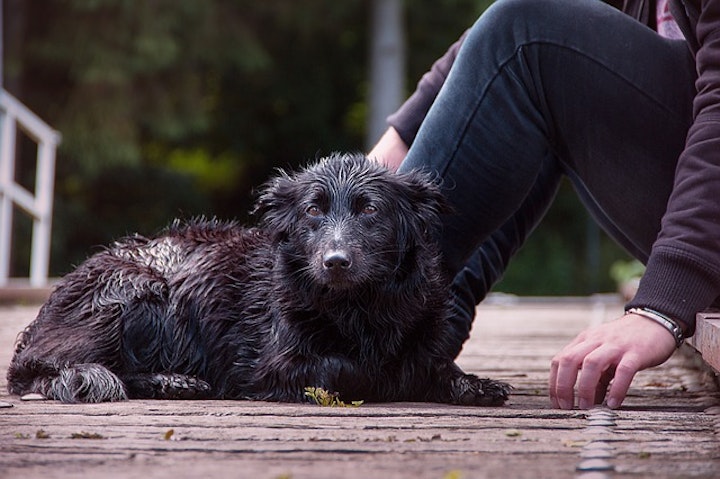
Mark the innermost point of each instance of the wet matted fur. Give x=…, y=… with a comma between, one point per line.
x=339, y=287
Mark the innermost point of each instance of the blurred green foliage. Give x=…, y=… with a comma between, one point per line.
x=180, y=107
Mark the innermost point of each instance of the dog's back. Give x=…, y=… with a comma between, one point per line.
x=135, y=308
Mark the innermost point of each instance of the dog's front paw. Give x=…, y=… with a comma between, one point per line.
x=166, y=386
x=470, y=390
x=180, y=386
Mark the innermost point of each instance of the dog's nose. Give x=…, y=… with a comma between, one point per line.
x=336, y=259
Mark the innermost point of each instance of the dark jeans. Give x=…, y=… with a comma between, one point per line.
x=541, y=89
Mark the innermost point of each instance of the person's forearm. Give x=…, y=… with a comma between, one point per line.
x=390, y=150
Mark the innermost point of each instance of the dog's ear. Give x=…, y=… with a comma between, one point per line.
x=276, y=203
x=425, y=195
x=424, y=206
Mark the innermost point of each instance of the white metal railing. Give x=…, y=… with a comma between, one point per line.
x=14, y=115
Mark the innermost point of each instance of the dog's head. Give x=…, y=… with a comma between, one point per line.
x=347, y=221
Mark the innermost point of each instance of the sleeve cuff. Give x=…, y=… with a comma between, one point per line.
x=678, y=285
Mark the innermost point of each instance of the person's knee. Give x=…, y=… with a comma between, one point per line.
x=510, y=23
x=524, y=21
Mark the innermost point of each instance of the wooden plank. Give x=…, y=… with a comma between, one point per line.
x=706, y=339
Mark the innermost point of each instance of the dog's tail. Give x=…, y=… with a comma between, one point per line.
x=77, y=383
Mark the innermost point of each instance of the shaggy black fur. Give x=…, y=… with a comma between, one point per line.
x=340, y=287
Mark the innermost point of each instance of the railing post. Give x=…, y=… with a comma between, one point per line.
x=7, y=173
x=42, y=225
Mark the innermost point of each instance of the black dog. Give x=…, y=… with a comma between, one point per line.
x=340, y=288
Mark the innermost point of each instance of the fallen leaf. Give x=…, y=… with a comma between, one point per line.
x=573, y=443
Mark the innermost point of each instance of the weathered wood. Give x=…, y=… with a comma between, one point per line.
x=706, y=339
x=668, y=427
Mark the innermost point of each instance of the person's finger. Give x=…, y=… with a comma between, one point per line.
x=567, y=364
x=557, y=393
x=565, y=385
x=588, y=383
x=552, y=381
x=565, y=367
x=624, y=374
x=594, y=368
x=602, y=387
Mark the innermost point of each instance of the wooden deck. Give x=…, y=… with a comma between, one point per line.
x=669, y=426
x=706, y=339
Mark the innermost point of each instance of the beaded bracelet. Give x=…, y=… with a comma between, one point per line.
x=669, y=324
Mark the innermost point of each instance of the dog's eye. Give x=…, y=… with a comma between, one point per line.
x=369, y=210
x=313, y=210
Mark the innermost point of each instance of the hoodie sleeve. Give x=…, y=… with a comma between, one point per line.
x=683, y=271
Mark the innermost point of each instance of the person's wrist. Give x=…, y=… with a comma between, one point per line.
x=672, y=326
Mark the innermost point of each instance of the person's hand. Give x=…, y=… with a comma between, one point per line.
x=390, y=150
x=613, y=351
